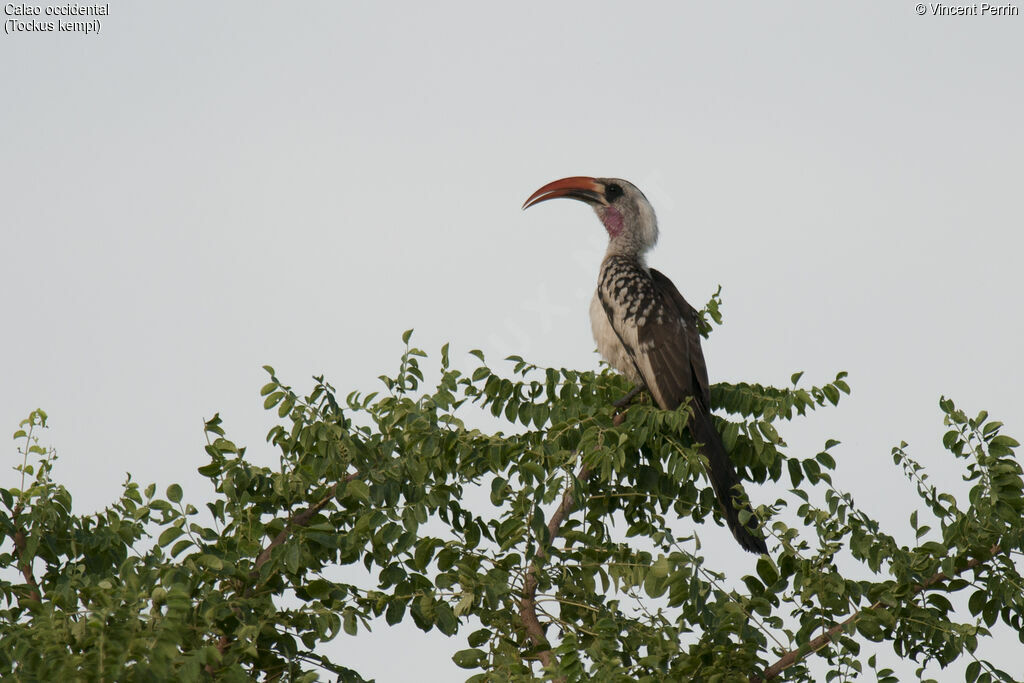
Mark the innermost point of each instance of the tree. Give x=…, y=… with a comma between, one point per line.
x=532, y=576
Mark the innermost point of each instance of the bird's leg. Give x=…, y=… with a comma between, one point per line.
x=623, y=403
x=625, y=400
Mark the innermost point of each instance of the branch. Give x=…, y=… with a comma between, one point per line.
x=528, y=603
x=19, y=551
x=298, y=520
x=793, y=656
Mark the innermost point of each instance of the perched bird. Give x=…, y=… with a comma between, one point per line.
x=645, y=329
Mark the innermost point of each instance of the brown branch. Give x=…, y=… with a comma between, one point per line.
x=528, y=603
x=793, y=656
x=298, y=520
x=19, y=552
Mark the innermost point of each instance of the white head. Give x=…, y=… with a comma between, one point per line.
x=624, y=211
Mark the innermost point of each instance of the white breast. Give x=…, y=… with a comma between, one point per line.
x=608, y=344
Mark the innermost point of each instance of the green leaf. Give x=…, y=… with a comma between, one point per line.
x=465, y=605
x=395, y=612
x=469, y=659
x=211, y=470
x=358, y=489
x=977, y=601
x=447, y=622
x=479, y=637
x=796, y=474
x=168, y=535
x=211, y=561
x=766, y=571
x=1003, y=441
x=181, y=546
x=286, y=406
x=174, y=493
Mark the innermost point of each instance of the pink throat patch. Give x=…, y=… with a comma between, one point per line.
x=612, y=221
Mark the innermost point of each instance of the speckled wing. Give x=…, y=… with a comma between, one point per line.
x=659, y=332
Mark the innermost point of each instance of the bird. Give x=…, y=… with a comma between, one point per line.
x=646, y=330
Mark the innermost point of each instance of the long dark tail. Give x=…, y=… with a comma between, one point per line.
x=723, y=480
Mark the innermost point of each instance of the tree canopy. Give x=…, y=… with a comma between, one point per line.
x=564, y=545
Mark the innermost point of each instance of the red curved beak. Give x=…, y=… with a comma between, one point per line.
x=583, y=188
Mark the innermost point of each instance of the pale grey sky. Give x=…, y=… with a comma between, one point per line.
x=203, y=188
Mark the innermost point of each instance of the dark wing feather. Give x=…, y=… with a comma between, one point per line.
x=664, y=342
x=701, y=389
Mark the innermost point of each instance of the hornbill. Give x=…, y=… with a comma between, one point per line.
x=646, y=330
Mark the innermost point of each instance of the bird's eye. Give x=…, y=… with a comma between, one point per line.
x=613, y=192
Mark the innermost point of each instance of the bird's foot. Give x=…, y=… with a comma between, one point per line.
x=625, y=400
x=623, y=403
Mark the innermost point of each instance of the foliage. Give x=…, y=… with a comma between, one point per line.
x=445, y=524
